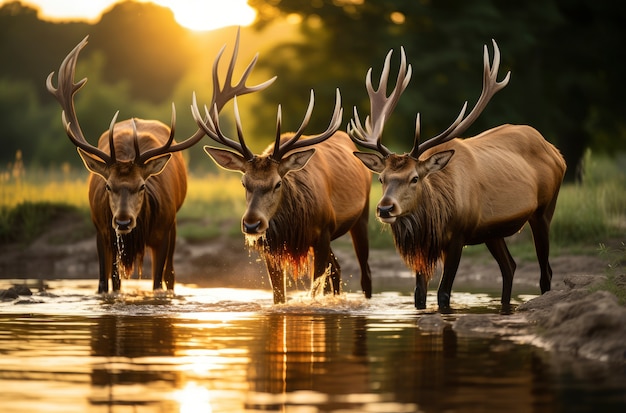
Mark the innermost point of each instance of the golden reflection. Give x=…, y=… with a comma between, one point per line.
x=193, y=398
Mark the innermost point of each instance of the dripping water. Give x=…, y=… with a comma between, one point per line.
x=120, y=251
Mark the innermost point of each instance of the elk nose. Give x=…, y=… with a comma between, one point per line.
x=251, y=228
x=384, y=211
x=123, y=224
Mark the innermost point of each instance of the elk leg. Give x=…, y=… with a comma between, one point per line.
x=322, y=257
x=498, y=249
x=168, y=273
x=360, y=241
x=451, y=261
x=541, y=236
x=159, y=260
x=335, y=273
x=421, y=288
x=105, y=261
x=277, y=280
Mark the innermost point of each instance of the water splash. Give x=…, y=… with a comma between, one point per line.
x=317, y=285
x=121, y=268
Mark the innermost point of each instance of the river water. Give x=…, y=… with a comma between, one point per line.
x=67, y=349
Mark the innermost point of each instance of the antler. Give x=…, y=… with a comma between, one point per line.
x=381, y=106
x=65, y=95
x=221, y=95
x=67, y=89
x=293, y=143
x=490, y=87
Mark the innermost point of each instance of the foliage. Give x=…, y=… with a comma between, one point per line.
x=566, y=79
x=615, y=274
x=24, y=222
x=566, y=59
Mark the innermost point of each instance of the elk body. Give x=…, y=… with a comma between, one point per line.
x=298, y=201
x=137, y=184
x=450, y=192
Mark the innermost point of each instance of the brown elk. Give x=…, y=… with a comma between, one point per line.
x=449, y=192
x=138, y=179
x=299, y=200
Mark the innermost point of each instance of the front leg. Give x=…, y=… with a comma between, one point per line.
x=335, y=273
x=106, y=263
x=421, y=288
x=451, y=260
x=277, y=280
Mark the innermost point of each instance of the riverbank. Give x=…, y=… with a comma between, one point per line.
x=571, y=319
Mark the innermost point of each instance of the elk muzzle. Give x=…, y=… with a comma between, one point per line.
x=386, y=211
x=123, y=224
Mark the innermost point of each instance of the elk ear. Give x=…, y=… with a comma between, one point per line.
x=295, y=161
x=155, y=166
x=94, y=164
x=373, y=161
x=438, y=161
x=226, y=159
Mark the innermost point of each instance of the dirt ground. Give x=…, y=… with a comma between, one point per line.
x=226, y=262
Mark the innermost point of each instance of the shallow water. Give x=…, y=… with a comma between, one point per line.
x=68, y=349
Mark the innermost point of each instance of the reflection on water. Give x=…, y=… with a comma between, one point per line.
x=231, y=350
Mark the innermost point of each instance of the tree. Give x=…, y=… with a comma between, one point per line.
x=145, y=46
x=565, y=56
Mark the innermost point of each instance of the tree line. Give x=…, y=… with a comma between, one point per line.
x=566, y=59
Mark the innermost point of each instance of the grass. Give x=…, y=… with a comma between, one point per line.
x=587, y=214
x=615, y=282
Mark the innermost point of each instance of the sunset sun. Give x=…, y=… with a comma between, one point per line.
x=199, y=15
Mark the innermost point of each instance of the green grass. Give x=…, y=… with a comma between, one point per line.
x=587, y=214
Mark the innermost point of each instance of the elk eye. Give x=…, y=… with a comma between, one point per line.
x=243, y=184
x=278, y=185
x=380, y=179
x=107, y=187
x=142, y=187
x=415, y=179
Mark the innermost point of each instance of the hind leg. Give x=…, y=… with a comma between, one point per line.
x=540, y=226
x=360, y=241
x=497, y=247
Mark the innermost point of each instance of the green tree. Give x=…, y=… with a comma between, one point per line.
x=566, y=58
x=145, y=46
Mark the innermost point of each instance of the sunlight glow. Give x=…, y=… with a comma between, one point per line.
x=193, y=398
x=199, y=15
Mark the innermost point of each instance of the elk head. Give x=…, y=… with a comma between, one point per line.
x=405, y=177
x=126, y=176
x=263, y=175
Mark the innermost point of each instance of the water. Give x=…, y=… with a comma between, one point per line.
x=232, y=350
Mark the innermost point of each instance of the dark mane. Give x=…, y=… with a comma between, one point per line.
x=420, y=236
x=288, y=237
x=133, y=244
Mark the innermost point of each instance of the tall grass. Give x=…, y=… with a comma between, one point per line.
x=587, y=214
x=594, y=210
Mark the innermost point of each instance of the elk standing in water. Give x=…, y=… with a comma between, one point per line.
x=449, y=192
x=138, y=179
x=299, y=200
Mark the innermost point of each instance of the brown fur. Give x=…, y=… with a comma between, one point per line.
x=316, y=204
x=155, y=223
x=470, y=191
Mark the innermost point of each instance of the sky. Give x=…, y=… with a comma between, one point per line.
x=193, y=14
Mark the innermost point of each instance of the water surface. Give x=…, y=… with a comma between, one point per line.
x=67, y=349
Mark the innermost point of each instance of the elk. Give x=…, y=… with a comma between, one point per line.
x=138, y=178
x=298, y=200
x=449, y=192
